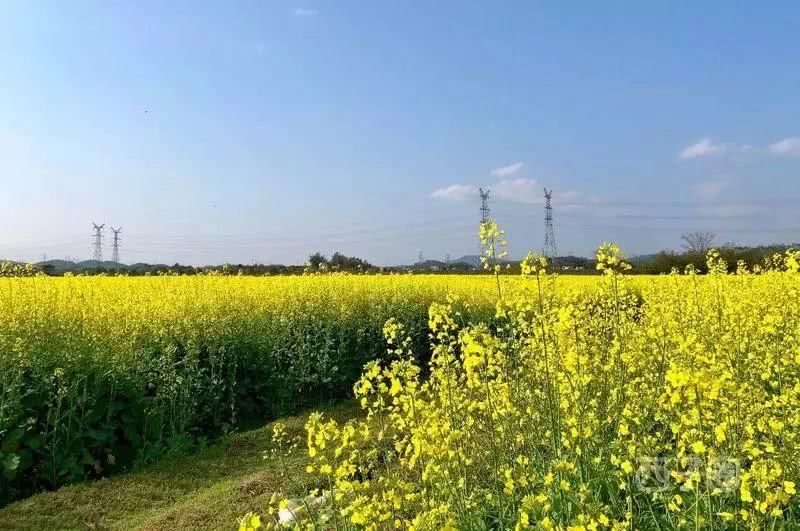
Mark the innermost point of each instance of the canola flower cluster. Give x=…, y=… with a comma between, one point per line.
x=630, y=403
x=98, y=373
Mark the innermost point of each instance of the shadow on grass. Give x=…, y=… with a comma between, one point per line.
x=209, y=489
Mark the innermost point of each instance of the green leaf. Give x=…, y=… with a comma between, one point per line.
x=11, y=440
x=34, y=443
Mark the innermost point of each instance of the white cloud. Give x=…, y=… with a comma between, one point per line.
x=505, y=171
x=704, y=147
x=570, y=200
x=306, y=12
x=518, y=190
x=456, y=192
x=787, y=146
x=710, y=189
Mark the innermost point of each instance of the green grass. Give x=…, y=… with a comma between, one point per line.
x=210, y=489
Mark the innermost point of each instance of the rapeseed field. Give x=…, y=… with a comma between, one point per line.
x=668, y=402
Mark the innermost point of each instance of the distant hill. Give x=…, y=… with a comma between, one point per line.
x=95, y=264
x=430, y=264
x=472, y=260
x=63, y=266
x=59, y=267
x=464, y=263
x=56, y=264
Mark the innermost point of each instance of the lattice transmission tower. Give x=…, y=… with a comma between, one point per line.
x=485, y=212
x=485, y=215
x=115, y=245
x=97, y=242
x=550, y=250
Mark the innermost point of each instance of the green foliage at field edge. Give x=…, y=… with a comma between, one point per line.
x=206, y=490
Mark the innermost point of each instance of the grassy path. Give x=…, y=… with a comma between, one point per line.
x=210, y=489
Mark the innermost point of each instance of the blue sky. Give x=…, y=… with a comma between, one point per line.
x=265, y=130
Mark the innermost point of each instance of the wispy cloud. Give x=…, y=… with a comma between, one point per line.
x=704, y=147
x=788, y=146
x=713, y=213
x=735, y=210
x=518, y=190
x=306, y=12
x=710, y=189
x=505, y=171
x=527, y=191
x=456, y=192
x=515, y=190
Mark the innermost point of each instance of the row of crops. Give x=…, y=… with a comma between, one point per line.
x=98, y=373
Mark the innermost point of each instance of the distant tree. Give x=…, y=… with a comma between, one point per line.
x=338, y=261
x=665, y=261
x=341, y=262
x=316, y=260
x=698, y=242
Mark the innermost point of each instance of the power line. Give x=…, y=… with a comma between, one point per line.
x=97, y=243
